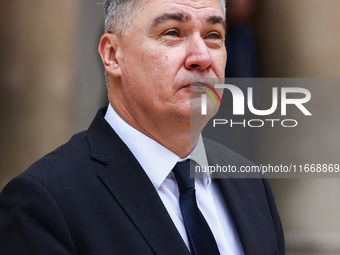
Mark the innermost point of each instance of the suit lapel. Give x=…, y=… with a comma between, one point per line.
x=243, y=217
x=246, y=202
x=129, y=185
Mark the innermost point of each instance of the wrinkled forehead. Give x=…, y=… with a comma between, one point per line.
x=158, y=11
x=194, y=5
x=182, y=17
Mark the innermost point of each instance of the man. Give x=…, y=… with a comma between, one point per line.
x=111, y=189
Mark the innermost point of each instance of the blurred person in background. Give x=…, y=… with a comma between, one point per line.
x=242, y=64
x=240, y=42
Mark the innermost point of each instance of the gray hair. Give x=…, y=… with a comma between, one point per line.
x=118, y=14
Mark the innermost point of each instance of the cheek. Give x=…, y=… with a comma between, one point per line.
x=151, y=71
x=160, y=71
x=151, y=67
x=220, y=60
x=145, y=85
x=160, y=63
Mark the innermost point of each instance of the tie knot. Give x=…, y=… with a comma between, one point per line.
x=182, y=175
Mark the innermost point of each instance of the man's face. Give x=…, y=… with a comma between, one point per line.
x=169, y=42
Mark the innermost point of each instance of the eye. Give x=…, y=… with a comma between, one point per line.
x=214, y=36
x=172, y=32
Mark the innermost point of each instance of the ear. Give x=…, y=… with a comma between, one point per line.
x=108, y=49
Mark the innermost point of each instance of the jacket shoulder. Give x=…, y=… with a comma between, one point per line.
x=217, y=152
x=61, y=160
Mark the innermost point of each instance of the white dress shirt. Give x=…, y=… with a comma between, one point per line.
x=151, y=155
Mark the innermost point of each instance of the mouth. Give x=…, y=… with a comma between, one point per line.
x=198, y=87
x=201, y=85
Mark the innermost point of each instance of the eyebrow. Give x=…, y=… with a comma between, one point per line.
x=180, y=17
x=217, y=20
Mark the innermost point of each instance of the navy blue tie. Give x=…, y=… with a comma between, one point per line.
x=201, y=239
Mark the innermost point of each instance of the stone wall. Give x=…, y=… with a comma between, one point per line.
x=37, y=76
x=300, y=38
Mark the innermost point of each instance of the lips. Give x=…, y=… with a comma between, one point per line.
x=204, y=87
x=197, y=86
x=201, y=84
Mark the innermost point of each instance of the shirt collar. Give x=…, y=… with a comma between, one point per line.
x=199, y=155
x=150, y=154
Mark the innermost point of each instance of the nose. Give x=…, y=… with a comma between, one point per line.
x=198, y=55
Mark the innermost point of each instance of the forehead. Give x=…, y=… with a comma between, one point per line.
x=189, y=8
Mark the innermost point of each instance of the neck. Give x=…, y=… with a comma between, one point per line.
x=179, y=140
x=178, y=136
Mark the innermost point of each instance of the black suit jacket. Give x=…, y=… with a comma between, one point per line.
x=91, y=196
